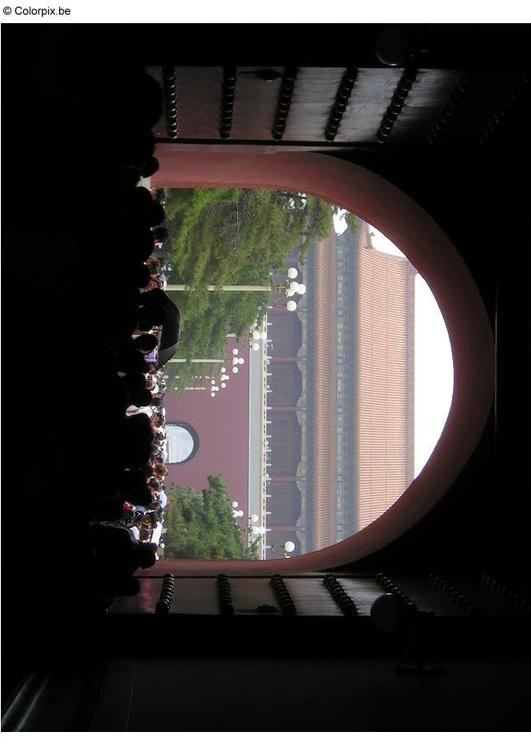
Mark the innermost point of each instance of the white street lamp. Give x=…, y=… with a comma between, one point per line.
x=292, y=305
x=235, y=351
x=223, y=369
x=241, y=361
x=292, y=273
x=288, y=547
x=292, y=289
x=254, y=518
x=235, y=504
x=256, y=346
x=301, y=289
x=223, y=385
x=256, y=335
x=235, y=370
x=263, y=335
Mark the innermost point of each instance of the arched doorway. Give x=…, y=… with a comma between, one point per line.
x=409, y=227
x=183, y=442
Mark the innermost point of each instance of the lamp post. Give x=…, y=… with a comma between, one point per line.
x=287, y=548
x=255, y=532
x=223, y=288
x=291, y=287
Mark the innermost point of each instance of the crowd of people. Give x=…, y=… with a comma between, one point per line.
x=126, y=528
x=118, y=313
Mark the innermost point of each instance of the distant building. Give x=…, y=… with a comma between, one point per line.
x=338, y=399
x=384, y=409
x=341, y=406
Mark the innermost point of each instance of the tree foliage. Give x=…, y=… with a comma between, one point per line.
x=232, y=236
x=200, y=525
x=352, y=221
x=237, y=236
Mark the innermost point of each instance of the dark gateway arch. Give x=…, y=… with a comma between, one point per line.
x=423, y=132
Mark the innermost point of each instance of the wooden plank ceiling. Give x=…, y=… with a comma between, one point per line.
x=341, y=106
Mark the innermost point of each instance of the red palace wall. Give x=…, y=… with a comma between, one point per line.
x=222, y=426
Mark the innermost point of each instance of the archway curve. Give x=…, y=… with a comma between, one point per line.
x=432, y=253
x=193, y=435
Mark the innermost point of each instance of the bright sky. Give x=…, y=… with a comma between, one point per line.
x=434, y=372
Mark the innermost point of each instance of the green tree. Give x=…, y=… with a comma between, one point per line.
x=200, y=525
x=352, y=221
x=232, y=236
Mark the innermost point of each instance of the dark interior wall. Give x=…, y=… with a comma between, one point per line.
x=478, y=197
x=288, y=694
x=450, y=45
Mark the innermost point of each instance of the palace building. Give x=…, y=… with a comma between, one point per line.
x=342, y=391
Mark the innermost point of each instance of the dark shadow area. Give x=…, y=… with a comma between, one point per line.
x=73, y=121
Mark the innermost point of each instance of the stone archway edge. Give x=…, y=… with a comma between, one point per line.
x=432, y=253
